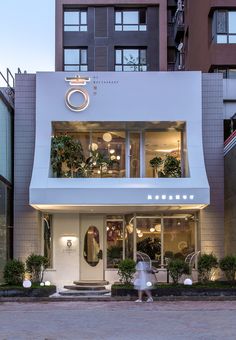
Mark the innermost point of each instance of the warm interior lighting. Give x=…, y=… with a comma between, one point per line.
x=107, y=137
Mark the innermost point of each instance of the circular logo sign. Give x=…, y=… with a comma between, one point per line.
x=85, y=96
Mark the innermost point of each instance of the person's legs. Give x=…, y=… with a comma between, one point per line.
x=140, y=296
x=149, y=295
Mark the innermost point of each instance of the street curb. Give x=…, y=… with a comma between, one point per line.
x=112, y=299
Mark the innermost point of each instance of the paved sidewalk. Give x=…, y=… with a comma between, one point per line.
x=118, y=320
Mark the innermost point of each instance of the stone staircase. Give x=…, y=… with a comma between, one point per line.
x=86, y=290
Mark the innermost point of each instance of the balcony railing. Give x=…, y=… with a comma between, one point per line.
x=178, y=25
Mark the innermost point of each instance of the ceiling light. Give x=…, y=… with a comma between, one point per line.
x=118, y=158
x=140, y=235
x=152, y=230
x=93, y=146
x=107, y=137
x=112, y=151
x=158, y=228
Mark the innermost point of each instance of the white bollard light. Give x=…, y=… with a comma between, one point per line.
x=188, y=282
x=27, y=284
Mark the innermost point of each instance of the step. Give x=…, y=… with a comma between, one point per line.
x=85, y=287
x=71, y=292
x=91, y=283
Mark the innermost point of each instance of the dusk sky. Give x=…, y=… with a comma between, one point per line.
x=27, y=30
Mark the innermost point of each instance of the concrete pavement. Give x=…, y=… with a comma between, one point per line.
x=118, y=320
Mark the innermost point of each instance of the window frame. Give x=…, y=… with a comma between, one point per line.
x=225, y=35
x=79, y=25
x=140, y=27
x=79, y=65
x=123, y=65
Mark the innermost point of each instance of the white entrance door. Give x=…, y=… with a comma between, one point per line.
x=91, y=247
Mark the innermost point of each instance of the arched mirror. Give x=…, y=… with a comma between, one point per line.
x=92, y=246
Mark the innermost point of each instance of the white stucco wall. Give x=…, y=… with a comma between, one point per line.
x=147, y=96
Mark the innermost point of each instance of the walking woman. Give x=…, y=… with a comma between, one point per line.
x=142, y=282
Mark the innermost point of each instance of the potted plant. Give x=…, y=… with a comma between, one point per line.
x=171, y=167
x=155, y=163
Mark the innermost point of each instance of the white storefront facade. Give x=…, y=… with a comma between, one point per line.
x=115, y=201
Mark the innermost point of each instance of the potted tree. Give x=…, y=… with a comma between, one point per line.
x=155, y=163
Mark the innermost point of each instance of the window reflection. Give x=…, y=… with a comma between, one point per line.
x=131, y=60
x=179, y=239
x=224, y=27
x=149, y=238
x=114, y=230
x=75, y=20
x=75, y=59
x=130, y=20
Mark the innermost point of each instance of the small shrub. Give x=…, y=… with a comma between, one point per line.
x=206, y=263
x=36, y=265
x=126, y=270
x=14, y=271
x=177, y=268
x=228, y=266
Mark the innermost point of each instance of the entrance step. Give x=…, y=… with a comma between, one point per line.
x=91, y=283
x=85, y=287
x=72, y=292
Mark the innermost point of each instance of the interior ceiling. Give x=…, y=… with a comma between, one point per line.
x=67, y=127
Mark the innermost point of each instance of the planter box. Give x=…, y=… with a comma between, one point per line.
x=27, y=292
x=177, y=291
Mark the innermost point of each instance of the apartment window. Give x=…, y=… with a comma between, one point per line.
x=75, y=59
x=130, y=20
x=130, y=59
x=228, y=73
x=75, y=20
x=224, y=27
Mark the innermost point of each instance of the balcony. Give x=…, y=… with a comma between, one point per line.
x=179, y=25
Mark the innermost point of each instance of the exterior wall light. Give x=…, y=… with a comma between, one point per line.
x=157, y=197
x=163, y=197
x=149, y=197
x=184, y=197
x=69, y=243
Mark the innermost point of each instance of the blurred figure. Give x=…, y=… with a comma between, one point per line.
x=142, y=282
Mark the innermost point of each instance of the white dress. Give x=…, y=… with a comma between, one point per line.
x=142, y=281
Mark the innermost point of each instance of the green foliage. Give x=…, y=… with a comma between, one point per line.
x=228, y=266
x=171, y=168
x=14, y=271
x=36, y=265
x=68, y=160
x=65, y=149
x=177, y=268
x=126, y=270
x=150, y=246
x=155, y=163
x=206, y=263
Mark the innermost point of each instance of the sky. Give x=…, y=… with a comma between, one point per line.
x=27, y=35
